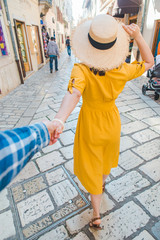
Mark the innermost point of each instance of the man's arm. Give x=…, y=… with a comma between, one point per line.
x=18, y=146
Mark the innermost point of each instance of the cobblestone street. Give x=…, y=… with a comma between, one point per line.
x=47, y=202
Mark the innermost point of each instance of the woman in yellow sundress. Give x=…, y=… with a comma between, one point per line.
x=102, y=46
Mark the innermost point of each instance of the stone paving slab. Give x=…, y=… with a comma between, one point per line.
x=126, y=143
x=148, y=150
x=142, y=113
x=6, y=220
x=75, y=224
x=51, y=148
x=4, y=202
x=122, y=223
x=67, y=138
x=128, y=160
x=152, y=169
x=62, y=192
x=124, y=119
x=117, y=171
x=56, y=234
x=126, y=185
x=138, y=105
x=43, y=202
x=69, y=166
x=34, y=207
x=144, y=236
x=145, y=136
x=156, y=128
x=152, y=121
x=50, y=160
x=55, y=176
x=27, y=172
x=81, y=236
x=67, y=152
x=132, y=127
x=150, y=200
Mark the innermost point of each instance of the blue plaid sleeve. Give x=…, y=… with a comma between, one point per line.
x=17, y=147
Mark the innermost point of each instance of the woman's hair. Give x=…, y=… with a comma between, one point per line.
x=96, y=71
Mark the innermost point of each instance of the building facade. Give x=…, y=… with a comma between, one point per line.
x=57, y=22
x=47, y=21
x=9, y=76
x=20, y=42
x=25, y=29
x=64, y=21
x=67, y=14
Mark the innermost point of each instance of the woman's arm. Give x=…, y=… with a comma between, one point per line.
x=147, y=56
x=68, y=104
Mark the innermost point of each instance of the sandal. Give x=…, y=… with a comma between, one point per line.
x=103, y=187
x=93, y=225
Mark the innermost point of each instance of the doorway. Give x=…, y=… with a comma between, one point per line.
x=22, y=47
x=34, y=41
x=37, y=44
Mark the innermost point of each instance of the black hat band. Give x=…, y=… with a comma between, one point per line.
x=100, y=46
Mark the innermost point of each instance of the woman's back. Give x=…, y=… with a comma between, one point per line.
x=102, y=89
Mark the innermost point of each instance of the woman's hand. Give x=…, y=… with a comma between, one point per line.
x=55, y=129
x=133, y=30
x=146, y=54
x=58, y=129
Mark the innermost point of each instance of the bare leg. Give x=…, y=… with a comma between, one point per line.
x=96, y=201
x=104, y=178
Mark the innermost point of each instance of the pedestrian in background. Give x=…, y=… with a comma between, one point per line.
x=102, y=45
x=68, y=44
x=53, y=53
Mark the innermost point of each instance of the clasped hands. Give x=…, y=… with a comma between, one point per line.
x=55, y=128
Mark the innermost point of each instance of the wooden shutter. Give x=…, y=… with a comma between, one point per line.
x=19, y=50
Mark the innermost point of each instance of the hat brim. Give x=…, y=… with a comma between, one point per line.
x=99, y=59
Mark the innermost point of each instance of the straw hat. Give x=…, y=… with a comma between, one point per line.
x=101, y=42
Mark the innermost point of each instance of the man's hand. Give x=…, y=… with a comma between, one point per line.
x=132, y=29
x=54, y=129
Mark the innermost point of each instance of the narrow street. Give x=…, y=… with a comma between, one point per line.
x=47, y=202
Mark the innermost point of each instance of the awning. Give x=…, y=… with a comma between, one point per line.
x=122, y=7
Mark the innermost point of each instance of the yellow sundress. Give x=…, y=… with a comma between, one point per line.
x=97, y=138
